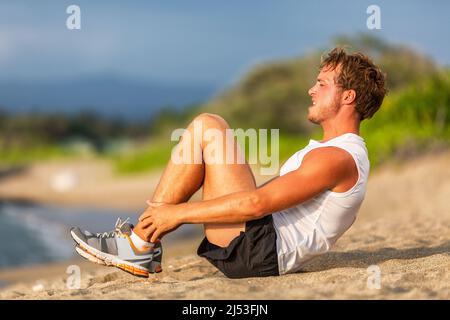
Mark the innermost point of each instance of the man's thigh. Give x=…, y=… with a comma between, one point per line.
x=223, y=178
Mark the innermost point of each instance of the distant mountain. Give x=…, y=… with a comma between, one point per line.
x=107, y=95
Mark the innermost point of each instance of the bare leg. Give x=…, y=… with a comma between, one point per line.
x=180, y=181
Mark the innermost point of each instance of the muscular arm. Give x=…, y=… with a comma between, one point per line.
x=322, y=169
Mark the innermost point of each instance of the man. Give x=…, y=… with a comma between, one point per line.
x=275, y=228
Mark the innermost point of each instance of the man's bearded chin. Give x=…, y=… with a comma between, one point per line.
x=315, y=117
x=321, y=114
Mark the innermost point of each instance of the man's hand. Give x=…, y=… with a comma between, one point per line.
x=159, y=219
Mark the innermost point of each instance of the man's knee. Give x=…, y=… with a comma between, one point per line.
x=211, y=120
x=206, y=124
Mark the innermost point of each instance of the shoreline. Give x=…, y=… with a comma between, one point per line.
x=57, y=222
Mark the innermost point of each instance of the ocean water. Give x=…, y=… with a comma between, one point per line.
x=34, y=234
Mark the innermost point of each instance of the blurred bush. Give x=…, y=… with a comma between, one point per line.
x=29, y=137
x=150, y=155
x=275, y=95
x=412, y=120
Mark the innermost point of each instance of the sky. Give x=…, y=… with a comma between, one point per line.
x=200, y=41
x=207, y=43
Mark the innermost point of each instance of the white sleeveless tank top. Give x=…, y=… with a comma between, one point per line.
x=312, y=227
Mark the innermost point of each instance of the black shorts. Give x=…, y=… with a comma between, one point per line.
x=251, y=254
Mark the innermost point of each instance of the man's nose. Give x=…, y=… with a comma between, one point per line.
x=311, y=91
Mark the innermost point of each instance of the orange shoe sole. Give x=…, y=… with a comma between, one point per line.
x=127, y=268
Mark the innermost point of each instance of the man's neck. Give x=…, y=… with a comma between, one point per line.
x=331, y=132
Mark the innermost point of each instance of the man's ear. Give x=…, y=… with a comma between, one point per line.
x=349, y=96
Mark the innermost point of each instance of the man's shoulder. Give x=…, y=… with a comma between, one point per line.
x=328, y=155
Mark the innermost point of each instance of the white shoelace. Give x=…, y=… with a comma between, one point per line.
x=119, y=224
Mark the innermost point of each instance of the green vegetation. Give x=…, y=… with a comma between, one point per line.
x=151, y=156
x=17, y=156
x=26, y=138
x=414, y=116
x=275, y=95
x=411, y=120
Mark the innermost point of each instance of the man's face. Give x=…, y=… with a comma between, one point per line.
x=325, y=95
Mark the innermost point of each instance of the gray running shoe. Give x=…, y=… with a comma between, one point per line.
x=115, y=248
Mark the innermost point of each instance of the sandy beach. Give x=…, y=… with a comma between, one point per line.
x=402, y=231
